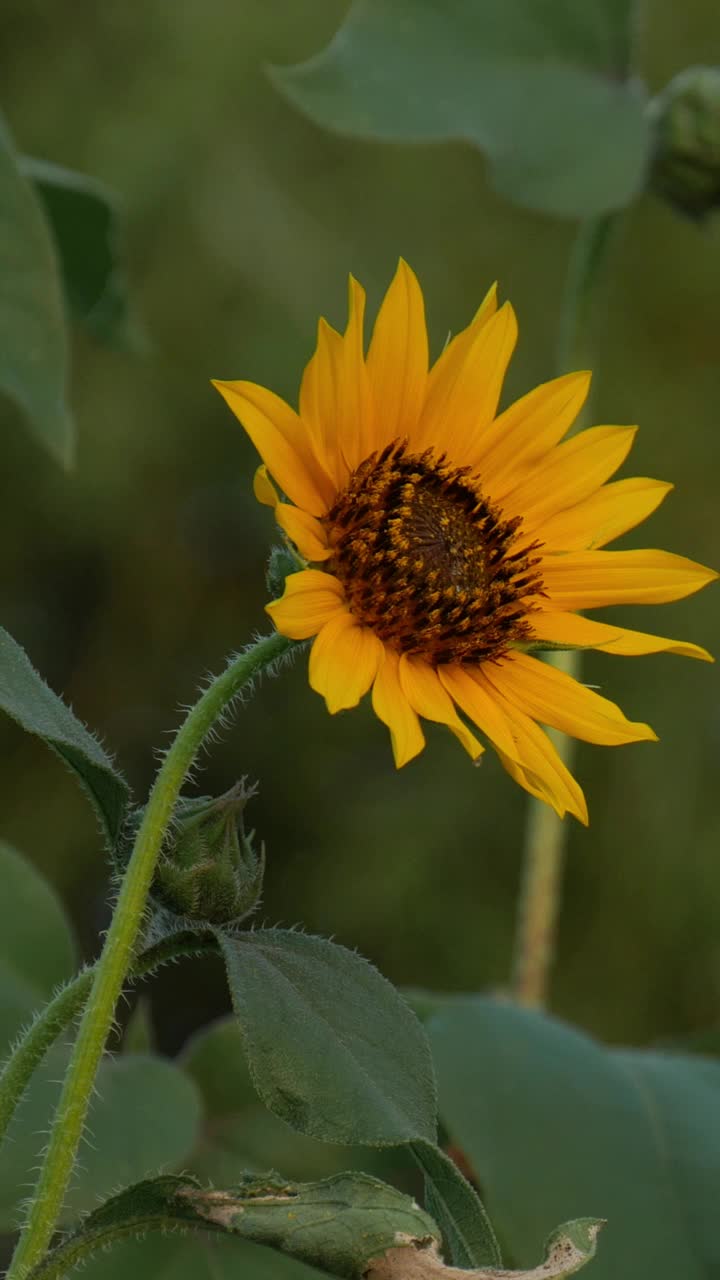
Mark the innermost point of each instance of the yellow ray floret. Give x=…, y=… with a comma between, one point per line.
x=444, y=541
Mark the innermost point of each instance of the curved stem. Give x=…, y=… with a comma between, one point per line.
x=50, y=1022
x=113, y=965
x=545, y=833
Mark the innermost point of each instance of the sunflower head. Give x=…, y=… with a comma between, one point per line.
x=441, y=542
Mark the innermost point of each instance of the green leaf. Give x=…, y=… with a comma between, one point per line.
x=139, y=1034
x=26, y=698
x=37, y=950
x=33, y=340
x=554, y=1124
x=468, y=1237
x=332, y=1048
x=144, y=1116
x=86, y=222
x=173, y=1257
x=339, y=1224
x=541, y=86
x=239, y=1132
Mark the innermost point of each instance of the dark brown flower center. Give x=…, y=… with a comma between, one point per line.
x=428, y=563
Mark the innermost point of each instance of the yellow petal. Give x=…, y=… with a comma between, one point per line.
x=447, y=367
x=319, y=393
x=304, y=530
x=335, y=397
x=554, y=698
x=461, y=403
x=527, y=429
x=572, y=629
x=550, y=792
x=264, y=489
x=478, y=705
x=591, y=579
x=568, y=474
x=311, y=599
x=392, y=707
x=343, y=662
x=283, y=443
x=357, y=424
x=398, y=358
x=421, y=685
x=536, y=764
x=605, y=515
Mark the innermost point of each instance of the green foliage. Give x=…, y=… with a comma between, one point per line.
x=174, y=1257
x=468, y=1237
x=539, y=85
x=145, y=1116
x=26, y=698
x=333, y=1049
x=139, y=1034
x=339, y=1224
x=85, y=220
x=37, y=950
x=238, y=1131
x=33, y=340
x=686, y=142
x=548, y=1118
x=209, y=870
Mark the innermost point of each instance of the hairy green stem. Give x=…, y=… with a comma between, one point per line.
x=50, y=1022
x=76, y=1251
x=114, y=963
x=545, y=833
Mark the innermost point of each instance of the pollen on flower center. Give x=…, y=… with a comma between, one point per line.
x=427, y=562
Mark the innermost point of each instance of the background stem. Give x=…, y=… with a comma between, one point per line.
x=112, y=967
x=545, y=833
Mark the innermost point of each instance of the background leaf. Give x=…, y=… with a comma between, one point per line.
x=144, y=1117
x=37, y=950
x=26, y=698
x=539, y=85
x=333, y=1049
x=85, y=219
x=33, y=340
x=555, y=1125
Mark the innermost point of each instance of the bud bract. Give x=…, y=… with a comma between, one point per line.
x=282, y=562
x=685, y=167
x=209, y=870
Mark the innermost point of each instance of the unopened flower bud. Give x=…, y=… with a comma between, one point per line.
x=282, y=562
x=685, y=168
x=209, y=870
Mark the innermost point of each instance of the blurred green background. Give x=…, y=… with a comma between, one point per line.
x=135, y=575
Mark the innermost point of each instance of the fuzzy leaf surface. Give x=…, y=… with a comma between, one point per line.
x=333, y=1048
x=28, y=700
x=338, y=1224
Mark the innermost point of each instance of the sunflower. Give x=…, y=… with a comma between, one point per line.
x=444, y=542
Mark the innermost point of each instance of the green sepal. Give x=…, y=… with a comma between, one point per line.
x=282, y=562
x=209, y=872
